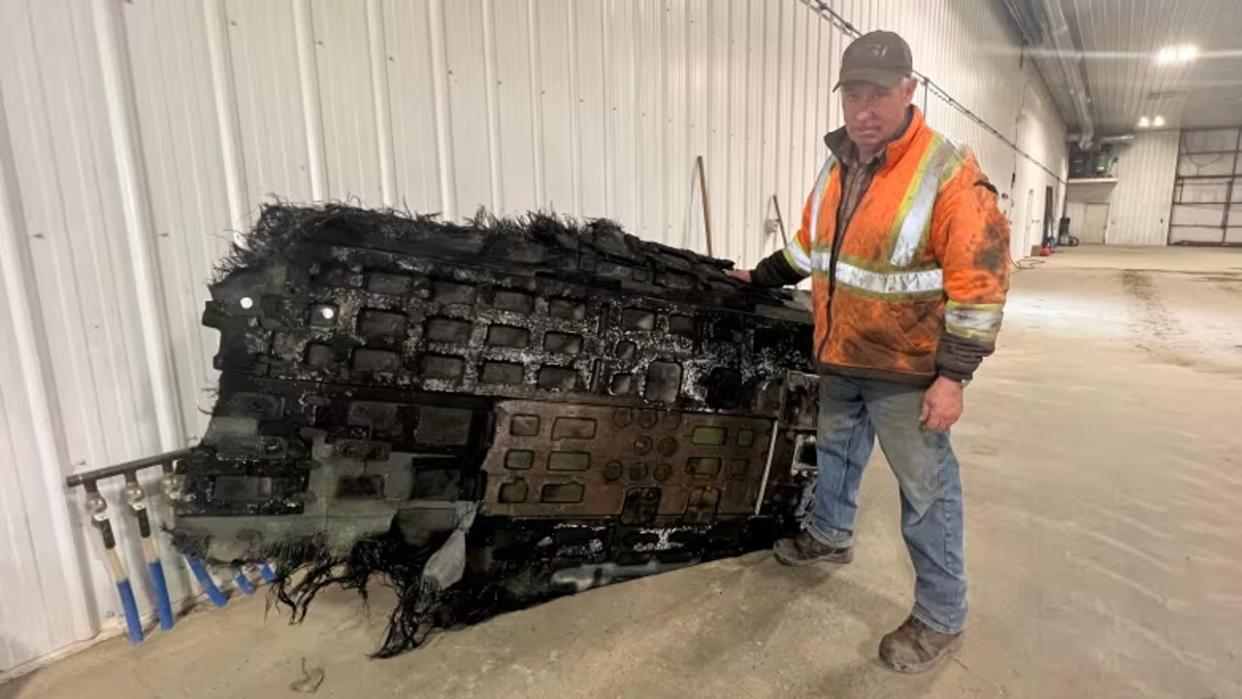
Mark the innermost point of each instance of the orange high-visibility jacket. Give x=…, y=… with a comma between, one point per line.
x=918, y=281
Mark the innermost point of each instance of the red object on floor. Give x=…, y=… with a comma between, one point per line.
x=1045, y=251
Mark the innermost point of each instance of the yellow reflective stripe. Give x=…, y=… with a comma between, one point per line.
x=912, y=192
x=797, y=257
x=883, y=265
x=889, y=283
x=821, y=185
x=914, y=219
x=974, y=321
x=948, y=173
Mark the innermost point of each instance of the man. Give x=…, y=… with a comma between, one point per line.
x=909, y=261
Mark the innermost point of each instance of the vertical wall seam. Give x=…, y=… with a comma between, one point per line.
x=308, y=80
x=575, y=106
x=606, y=19
x=747, y=221
x=444, y=127
x=495, y=164
x=383, y=103
x=764, y=111
x=224, y=92
x=659, y=117
x=536, y=99
x=729, y=167
x=639, y=189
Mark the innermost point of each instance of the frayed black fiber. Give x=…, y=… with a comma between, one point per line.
x=282, y=226
x=306, y=568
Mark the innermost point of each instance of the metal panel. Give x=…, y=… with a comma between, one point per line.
x=1139, y=214
x=139, y=137
x=1207, y=188
x=280, y=159
x=414, y=37
x=557, y=105
x=348, y=101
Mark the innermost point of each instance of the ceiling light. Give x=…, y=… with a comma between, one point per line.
x=1180, y=53
x=1143, y=122
x=1157, y=121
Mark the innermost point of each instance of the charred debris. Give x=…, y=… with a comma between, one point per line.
x=489, y=414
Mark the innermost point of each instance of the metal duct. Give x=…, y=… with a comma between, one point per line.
x=1057, y=37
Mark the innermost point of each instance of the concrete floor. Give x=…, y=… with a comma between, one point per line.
x=1102, y=458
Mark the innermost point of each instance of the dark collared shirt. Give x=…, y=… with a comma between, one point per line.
x=857, y=179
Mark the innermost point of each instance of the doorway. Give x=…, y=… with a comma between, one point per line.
x=1095, y=223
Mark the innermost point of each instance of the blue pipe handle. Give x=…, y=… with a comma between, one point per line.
x=268, y=574
x=204, y=579
x=132, y=622
x=243, y=583
x=161, y=594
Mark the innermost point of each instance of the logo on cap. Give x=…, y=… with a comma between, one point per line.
x=877, y=50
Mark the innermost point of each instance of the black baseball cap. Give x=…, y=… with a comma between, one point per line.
x=882, y=58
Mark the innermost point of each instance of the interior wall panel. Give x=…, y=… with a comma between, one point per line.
x=347, y=100
x=158, y=129
x=1139, y=212
x=271, y=106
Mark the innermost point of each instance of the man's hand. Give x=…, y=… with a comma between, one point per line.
x=742, y=275
x=942, y=405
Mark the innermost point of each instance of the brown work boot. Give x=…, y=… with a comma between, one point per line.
x=916, y=647
x=805, y=549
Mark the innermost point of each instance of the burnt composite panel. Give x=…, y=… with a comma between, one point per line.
x=610, y=407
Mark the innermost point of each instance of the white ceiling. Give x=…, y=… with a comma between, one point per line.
x=1119, y=40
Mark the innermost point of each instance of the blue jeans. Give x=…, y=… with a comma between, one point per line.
x=851, y=413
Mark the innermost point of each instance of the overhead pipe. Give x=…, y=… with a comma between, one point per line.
x=1057, y=35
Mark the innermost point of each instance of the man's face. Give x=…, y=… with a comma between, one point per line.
x=874, y=114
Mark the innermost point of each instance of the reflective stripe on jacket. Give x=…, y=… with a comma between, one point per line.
x=922, y=267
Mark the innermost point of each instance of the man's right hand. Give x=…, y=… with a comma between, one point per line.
x=742, y=275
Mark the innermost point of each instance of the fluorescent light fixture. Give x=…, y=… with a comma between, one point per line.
x=1157, y=121
x=1143, y=122
x=1180, y=53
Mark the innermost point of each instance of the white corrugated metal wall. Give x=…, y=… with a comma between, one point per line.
x=138, y=136
x=1139, y=210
